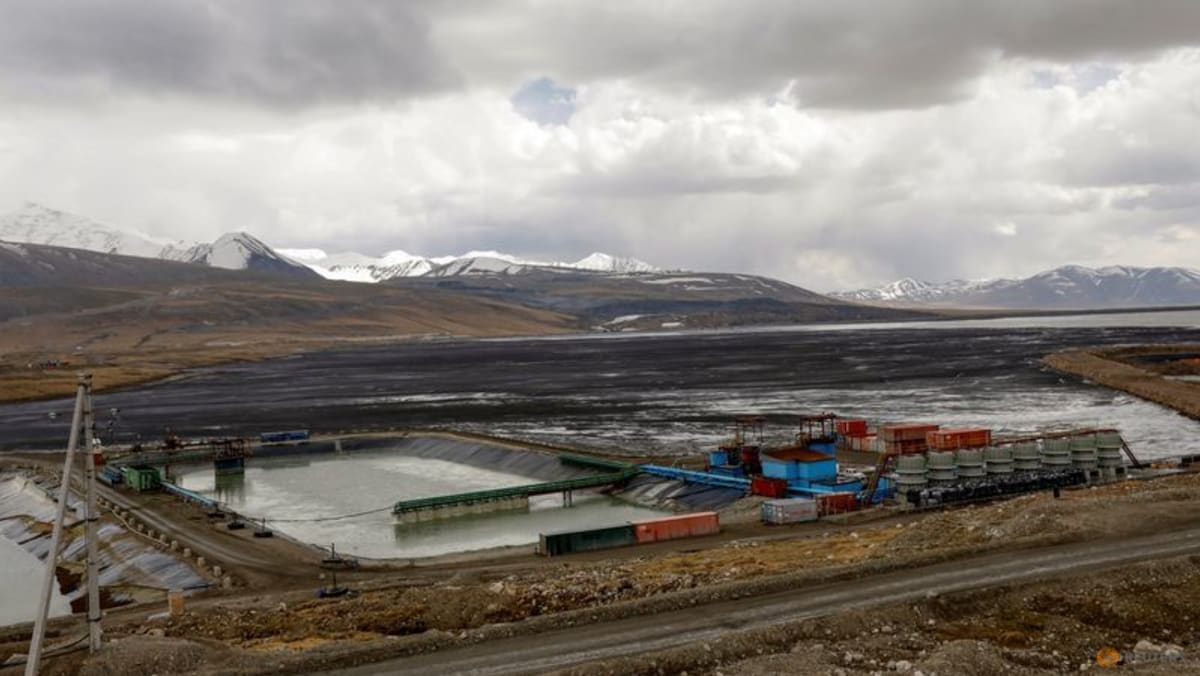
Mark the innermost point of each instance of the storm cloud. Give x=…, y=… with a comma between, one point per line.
x=852, y=54
x=294, y=53
x=831, y=144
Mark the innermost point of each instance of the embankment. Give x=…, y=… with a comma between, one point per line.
x=1184, y=397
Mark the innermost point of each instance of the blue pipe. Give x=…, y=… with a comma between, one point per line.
x=691, y=476
x=189, y=495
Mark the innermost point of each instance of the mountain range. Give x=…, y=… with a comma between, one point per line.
x=620, y=286
x=1069, y=287
x=598, y=292
x=354, y=267
x=37, y=224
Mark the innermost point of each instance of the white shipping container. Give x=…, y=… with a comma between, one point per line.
x=793, y=510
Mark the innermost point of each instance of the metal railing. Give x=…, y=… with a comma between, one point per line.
x=627, y=472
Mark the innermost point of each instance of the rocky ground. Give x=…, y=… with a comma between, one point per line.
x=1013, y=629
x=1146, y=613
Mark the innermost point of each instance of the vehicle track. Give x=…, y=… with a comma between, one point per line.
x=578, y=645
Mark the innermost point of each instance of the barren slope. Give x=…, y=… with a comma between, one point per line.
x=131, y=320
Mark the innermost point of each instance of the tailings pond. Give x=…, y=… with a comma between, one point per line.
x=663, y=393
x=320, y=498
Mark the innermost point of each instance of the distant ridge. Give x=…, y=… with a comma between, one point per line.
x=1067, y=287
x=356, y=267
x=37, y=224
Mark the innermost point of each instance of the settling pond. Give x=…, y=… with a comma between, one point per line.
x=299, y=493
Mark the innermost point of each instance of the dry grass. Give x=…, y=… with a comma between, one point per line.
x=1097, y=367
x=750, y=560
x=158, y=335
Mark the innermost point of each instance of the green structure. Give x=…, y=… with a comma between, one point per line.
x=498, y=495
x=141, y=478
x=568, y=542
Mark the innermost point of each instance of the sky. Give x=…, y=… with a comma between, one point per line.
x=830, y=144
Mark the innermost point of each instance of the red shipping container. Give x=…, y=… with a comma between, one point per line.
x=866, y=443
x=906, y=432
x=907, y=447
x=836, y=503
x=676, y=527
x=852, y=428
x=962, y=437
x=769, y=487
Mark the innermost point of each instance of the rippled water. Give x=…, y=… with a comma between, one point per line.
x=292, y=491
x=667, y=393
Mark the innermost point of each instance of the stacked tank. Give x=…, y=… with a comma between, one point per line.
x=910, y=472
x=1083, y=451
x=1056, y=453
x=1025, y=456
x=970, y=463
x=999, y=460
x=941, y=468
x=1108, y=452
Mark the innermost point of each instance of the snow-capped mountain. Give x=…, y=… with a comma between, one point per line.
x=242, y=251
x=356, y=267
x=36, y=224
x=601, y=262
x=484, y=265
x=1067, y=287
x=909, y=290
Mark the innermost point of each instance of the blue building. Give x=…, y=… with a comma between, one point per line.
x=799, y=465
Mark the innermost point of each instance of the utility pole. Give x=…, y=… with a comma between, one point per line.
x=93, y=517
x=83, y=396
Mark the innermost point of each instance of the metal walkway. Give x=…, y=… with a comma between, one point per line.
x=617, y=473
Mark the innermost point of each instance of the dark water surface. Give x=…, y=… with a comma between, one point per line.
x=675, y=392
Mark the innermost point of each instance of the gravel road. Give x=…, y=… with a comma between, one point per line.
x=573, y=646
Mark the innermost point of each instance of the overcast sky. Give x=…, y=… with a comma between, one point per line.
x=830, y=144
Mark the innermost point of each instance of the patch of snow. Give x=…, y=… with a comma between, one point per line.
x=15, y=248
x=235, y=251
x=601, y=262
x=678, y=280
x=37, y=224
x=305, y=255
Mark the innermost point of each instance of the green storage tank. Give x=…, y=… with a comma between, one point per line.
x=142, y=478
x=567, y=542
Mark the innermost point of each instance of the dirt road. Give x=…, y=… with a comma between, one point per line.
x=573, y=646
x=261, y=563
